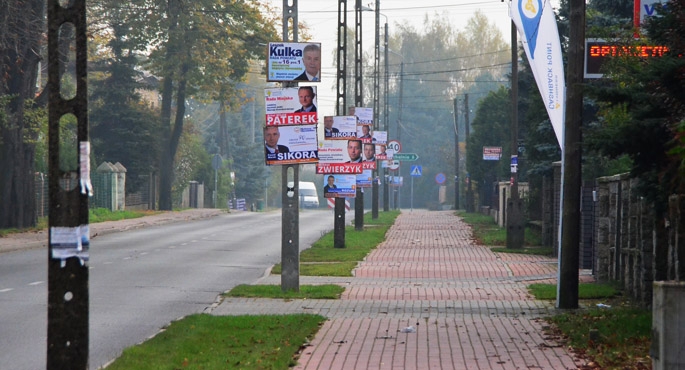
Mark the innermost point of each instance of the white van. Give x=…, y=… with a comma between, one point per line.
x=309, y=196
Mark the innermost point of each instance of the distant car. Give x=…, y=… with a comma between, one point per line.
x=309, y=196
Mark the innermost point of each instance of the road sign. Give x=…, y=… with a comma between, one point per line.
x=394, y=164
x=216, y=161
x=405, y=156
x=415, y=171
x=440, y=178
x=394, y=145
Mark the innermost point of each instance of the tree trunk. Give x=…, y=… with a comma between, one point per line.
x=20, y=35
x=166, y=166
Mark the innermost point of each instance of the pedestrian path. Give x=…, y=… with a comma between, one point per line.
x=427, y=298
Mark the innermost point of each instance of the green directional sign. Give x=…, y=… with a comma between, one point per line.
x=405, y=156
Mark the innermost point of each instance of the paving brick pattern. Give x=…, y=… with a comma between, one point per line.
x=428, y=298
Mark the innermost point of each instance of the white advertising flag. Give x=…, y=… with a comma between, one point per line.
x=534, y=19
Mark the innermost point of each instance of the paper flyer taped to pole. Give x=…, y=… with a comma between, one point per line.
x=534, y=19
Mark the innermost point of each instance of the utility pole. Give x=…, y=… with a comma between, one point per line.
x=515, y=230
x=290, y=212
x=376, y=105
x=456, y=154
x=567, y=289
x=386, y=121
x=469, y=193
x=358, y=102
x=69, y=232
x=341, y=103
x=399, y=134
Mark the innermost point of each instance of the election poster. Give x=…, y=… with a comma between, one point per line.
x=381, y=152
x=365, y=115
x=340, y=127
x=379, y=137
x=290, y=145
x=291, y=106
x=334, y=158
x=364, y=133
x=365, y=179
x=293, y=61
x=340, y=186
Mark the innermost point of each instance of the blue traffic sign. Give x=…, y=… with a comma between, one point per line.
x=415, y=171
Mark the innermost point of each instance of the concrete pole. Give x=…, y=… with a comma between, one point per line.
x=515, y=226
x=290, y=211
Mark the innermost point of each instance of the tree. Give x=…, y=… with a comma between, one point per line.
x=123, y=126
x=491, y=127
x=203, y=44
x=642, y=107
x=440, y=64
x=22, y=27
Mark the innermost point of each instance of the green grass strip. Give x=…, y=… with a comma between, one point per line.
x=323, y=259
x=223, y=342
x=327, y=291
x=585, y=291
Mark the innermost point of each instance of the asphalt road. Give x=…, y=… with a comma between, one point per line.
x=141, y=280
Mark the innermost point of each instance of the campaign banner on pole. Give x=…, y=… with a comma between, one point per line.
x=341, y=127
x=381, y=152
x=340, y=186
x=291, y=106
x=334, y=158
x=380, y=137
x=293, y=61
x=364, y=114
x=365, y=179
x=534, y=19
x=290, y=145
x=492, y=153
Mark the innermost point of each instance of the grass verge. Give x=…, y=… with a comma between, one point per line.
x=613, y=335
x=323, y=259
x=327, y=291
x=609, y=338
x=487, y=232
x=95, y=215
x=585, y=291
x=223, y=342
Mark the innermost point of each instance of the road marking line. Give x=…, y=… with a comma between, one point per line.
x=37, y=283
x=6, y=290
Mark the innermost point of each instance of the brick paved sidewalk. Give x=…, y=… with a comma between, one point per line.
x=427, y=298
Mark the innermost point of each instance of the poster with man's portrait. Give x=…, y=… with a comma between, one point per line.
x=294, y=61
x=290, y=145
x=291, y=106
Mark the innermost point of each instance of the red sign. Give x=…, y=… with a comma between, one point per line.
x=597, y=51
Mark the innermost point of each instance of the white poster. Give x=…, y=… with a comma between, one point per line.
x=291, y=61
x=534, y=19
x=291, y=106
x=290, y=145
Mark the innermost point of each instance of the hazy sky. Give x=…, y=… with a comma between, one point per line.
x=321, y=16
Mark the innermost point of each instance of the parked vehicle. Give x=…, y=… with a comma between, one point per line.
x=309, y=195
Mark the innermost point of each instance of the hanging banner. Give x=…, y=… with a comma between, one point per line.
x=535, y=21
